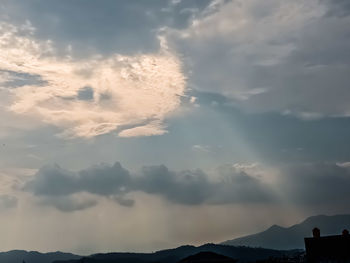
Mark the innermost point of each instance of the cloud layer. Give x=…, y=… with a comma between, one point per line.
x=56, y=185
x=302, y=184
x=130, y=94
x=124, y=26
x=290, y=57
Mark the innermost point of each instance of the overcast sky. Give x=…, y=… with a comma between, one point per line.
x=141, y=125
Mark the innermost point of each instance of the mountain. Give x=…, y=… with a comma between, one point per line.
x=243, y=254
x=207, y=257
x=18, y=256
x=277, y=237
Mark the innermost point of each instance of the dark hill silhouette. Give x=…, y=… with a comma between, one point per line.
x=16, y=256
x=243, y=254
x=277, y=237
x=207, y=257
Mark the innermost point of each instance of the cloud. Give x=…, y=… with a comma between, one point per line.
x=201, y=148
x=271, y=56
x=344, y=164
x=57, y=186
x=68, y=203
x=317, y=184
x=301, y=184
x=123, y=201
x=66, y=190
x=128, y=94
x=100, y=179
x=124, y=26
x=150, y=129
x=187, y=187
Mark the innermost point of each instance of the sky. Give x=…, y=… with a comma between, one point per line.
x=142, y=125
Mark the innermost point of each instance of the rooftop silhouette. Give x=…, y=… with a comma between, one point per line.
x=332, y=249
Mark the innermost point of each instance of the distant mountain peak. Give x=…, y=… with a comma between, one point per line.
x=15, y=256
x=275, y=227
x=206, y=257
x=277, y=237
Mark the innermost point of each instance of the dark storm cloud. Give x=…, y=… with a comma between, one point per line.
x=101, y=180
x=185, y=187
x=68, y=204
x=321, y=184
x=127, y=26
x=194, y=187
x=317, y=183
x=188, y=187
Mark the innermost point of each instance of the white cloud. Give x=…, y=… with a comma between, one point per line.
x=344, y=164
x=94, y=96
x=201, y=148
x=150, y=129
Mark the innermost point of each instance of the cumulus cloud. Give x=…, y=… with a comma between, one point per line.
x=57, y=186
x=100, y=179
x=310, y=184
x=131, y=95
x=196, y=187
x=290, y=57
x=68, y=203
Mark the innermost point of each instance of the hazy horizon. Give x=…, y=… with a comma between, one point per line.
x=142, y=125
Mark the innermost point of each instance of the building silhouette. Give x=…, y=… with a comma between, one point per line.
x=328, y=249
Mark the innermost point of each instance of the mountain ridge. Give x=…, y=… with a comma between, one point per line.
x=17, y=255
x=243, y=254
x=172, y=255
x=285, y=238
